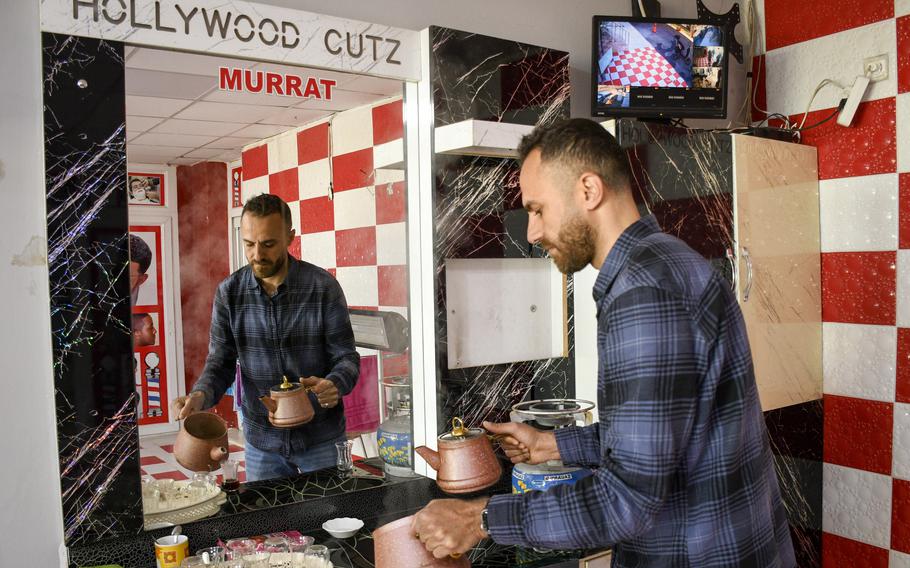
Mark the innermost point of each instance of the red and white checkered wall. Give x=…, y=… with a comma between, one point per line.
x=865, y=230
x=356, y=228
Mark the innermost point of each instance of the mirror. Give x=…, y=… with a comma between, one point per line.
x=204, y=135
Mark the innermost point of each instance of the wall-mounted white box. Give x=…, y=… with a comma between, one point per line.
x=504, y=310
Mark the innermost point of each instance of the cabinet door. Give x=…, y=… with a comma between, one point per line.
x=779, y=266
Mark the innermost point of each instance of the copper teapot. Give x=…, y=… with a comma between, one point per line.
x=465, y=461
x=396, y=546
x=202, y=443
x=288, y=404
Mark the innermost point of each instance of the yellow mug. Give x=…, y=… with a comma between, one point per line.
x=171, y=550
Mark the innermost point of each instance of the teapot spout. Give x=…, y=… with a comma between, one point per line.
x=269, y=403
x=431, y=456
x=219, y=454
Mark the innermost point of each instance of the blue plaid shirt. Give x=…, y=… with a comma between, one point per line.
x=683, y=472
x=303, y=330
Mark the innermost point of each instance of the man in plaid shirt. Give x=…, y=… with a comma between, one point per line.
x=683, y=472
x=280, y=317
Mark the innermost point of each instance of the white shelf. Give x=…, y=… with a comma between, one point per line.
x=480, y=138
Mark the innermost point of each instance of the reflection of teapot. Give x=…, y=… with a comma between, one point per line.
x=202, y=443
x=465, y=461
x=289, y=404
x=396, y=546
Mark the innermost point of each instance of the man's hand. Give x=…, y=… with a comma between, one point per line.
x=324, y=389
x=522, y=443
x=449, y=526
x=183, y=406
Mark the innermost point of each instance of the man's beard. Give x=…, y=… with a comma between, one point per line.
x=268, y=270
x=576, y=245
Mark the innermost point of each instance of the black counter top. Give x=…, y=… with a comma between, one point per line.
x=302, y=503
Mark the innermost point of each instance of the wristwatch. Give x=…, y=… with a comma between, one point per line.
x=483, y=522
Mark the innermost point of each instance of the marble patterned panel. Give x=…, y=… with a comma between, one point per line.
x=478, y=211
x=85, y=159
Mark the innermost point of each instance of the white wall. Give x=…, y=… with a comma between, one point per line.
x=30, y=512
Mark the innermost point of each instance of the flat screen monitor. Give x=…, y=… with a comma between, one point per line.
x=659, y=68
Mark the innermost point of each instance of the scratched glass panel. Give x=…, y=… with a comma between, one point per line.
x=478, y=203
x=85, y=160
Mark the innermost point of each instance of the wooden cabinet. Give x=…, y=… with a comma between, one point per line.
x=750, y=205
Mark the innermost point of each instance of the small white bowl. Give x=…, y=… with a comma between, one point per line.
x=343, y=527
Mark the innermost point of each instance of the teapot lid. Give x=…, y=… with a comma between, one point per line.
x=286, y=386
x=459, y=432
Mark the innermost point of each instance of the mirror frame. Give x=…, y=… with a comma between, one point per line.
x=87, y=227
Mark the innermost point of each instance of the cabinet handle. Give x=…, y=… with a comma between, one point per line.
x=748, y=290
x=732, y=259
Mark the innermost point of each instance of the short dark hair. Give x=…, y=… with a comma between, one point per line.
x=580, y=144
x=138, y=319
x=266, y=204
x=140, y=252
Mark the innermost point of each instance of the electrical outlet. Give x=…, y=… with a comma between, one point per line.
x=876, y=67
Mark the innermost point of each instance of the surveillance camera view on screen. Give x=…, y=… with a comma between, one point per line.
x=659, y=65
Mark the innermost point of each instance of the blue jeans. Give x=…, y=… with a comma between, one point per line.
x=267, y=465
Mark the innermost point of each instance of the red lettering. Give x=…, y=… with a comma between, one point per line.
x=229, y=79
x=273, y=83
x=292, y=85
x=312, y=88
x=248, y=76
x=327, y=85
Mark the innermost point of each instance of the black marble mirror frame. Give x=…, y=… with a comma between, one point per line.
x=85, y=173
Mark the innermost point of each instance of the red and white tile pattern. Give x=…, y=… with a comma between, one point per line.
x=642, y=67
x=156, y=457
x=348, y=210
x=865, y=228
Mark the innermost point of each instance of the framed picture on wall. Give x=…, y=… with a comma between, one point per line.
x=147, y=326
x=145, y=189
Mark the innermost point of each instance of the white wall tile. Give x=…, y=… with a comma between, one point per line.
x=385, y=175
x=355, y=208
x=318, y=248
x=313, y=179
x=903, y=132
x=901, y=7
x=253, y=187
x=795, y=70
x=388, y=154
x=857, y=505
x=352, y=130
x=903, y=288
x=859, y=360
x=899, y=560
x=360, y=285
x=901, y=441
x=859, y=213
x=295, y=215
x=282, y=152
x=391, y=244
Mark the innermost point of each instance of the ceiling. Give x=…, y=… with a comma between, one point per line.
x=176, y=114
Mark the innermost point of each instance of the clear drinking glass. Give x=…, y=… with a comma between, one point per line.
x=317, y=556
x=256, y=560
x=192, y=562
x=240, y=547
x=211, y=555
x=344, y=460
x=300, y=543
x=229, y=478
x=275, y=544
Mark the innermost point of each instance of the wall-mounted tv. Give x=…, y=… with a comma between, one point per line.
x=658, y=67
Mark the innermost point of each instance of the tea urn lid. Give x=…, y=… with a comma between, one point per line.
x=286, y=386
x=460, y=433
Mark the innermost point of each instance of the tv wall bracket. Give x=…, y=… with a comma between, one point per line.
x=727, y=21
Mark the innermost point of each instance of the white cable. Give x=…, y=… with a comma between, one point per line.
x=823, y=84
x=641, y=6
